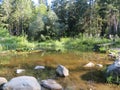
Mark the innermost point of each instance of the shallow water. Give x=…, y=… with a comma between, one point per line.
x=80, y=78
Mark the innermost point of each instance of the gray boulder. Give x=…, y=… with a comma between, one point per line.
x=62, y=71
x=114, y=66
x=114, y=70
x=50, y=85
x=22, y=83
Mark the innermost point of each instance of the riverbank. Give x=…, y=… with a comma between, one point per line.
x=81, y=43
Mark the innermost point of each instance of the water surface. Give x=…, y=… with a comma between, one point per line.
x=80, y=78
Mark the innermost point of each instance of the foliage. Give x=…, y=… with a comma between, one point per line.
x=77, y=44
x=64, y=19
x=73, y=24
x=87, y=16
x=44, y=26
x=35, y=28
x=16, y=13
x=8, y=42
x=42, y=9
x=113, y=78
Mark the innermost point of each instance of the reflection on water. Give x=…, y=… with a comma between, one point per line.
x=80, y=78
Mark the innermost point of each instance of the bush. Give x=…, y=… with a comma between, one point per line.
x=9, y=42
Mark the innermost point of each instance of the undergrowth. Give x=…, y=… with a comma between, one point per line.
x=77, y=44
x=20, y=43
x=9, y=42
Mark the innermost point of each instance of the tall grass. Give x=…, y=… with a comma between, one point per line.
x=9, y=42
x=80, y=43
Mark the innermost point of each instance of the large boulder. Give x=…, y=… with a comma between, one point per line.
x=62, y=71
x=50, y=85
x=113, y=71
x=22, y=83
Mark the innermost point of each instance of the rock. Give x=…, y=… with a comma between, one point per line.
x=39, y=67
x=2, y=82
x=18, y=71
x=62, y=71
x=114, y=71
x=112, y=55
x=22, y=83
x=114, y=66
x=89, y=65
x=50, y=85
x=99, y=65
x=42, y=88
x=114, y=52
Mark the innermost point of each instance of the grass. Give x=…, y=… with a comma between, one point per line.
x=8, y=42
x=77, y=44
x=82, y=43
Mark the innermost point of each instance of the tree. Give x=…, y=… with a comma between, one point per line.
x=17, y=14
x=36, y=28
x=75, y=14
x=67, y=18
x=85, y=16
x=107, y=13
x=44, y=24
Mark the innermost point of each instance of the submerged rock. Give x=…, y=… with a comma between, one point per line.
x=22, y=83
x=99, y=65
x=18, y=71
x=89, y=65
x=50, y=85
x=39, y=67
x=62, y=71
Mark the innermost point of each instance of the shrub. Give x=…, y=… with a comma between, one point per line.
x=9, y=42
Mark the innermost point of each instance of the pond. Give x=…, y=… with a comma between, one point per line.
x=80, y=78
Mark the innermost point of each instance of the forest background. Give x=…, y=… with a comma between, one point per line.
x=63, y=24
